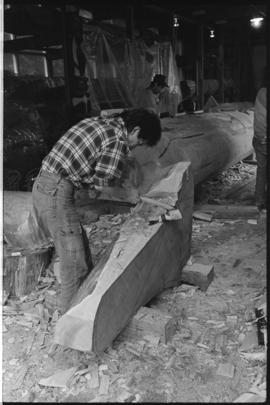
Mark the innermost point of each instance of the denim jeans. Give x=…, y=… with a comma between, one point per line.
x=54, y=205
x=261, y=177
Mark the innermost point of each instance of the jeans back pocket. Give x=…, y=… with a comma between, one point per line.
x=47, y=188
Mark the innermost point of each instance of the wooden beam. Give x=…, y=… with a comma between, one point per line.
x=221, y=63
x=230, y=211
x=144, y=260
x=200, y=83
x=67, y=61
x=150, y=321
x=130, y=21
x=31, y=43
x=198, y=274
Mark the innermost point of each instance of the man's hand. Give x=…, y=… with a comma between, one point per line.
x=117, y=193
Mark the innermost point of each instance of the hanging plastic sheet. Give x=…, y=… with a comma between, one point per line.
x=119, y=69
x=107, y=87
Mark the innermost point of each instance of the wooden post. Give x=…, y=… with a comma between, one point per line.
x=200, y=66
x=66, y=62
x=130, y=21
x=221, y=64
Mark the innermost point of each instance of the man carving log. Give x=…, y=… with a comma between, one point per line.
x=91, y=154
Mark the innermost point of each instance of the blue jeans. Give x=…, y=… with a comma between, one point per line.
x=54, y=205
x=261, y=177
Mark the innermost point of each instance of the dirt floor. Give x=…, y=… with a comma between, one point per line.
x=214, y=355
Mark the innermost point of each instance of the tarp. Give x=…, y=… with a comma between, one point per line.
x=118, y=70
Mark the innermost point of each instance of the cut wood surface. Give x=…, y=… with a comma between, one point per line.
x=21, y=270
x=202, y=215
x=198, y=274
x=144, y=260
x=149, y=321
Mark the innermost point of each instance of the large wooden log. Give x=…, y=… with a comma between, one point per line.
x=144, y=260
x=212, y=142
x=21, y=230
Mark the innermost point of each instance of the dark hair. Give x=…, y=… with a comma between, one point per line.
x=160, y=80
x=147, y=120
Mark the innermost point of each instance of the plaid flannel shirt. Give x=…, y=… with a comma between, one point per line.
x=91, y=153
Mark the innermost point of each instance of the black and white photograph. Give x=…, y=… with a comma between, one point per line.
x=134, y=201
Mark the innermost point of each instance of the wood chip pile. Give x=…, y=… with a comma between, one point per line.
x=103, y=233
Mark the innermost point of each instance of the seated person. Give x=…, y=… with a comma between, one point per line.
x=156, y=96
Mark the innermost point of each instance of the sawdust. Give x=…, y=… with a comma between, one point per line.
x=212, y=326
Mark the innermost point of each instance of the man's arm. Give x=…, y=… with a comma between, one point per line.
x=110, y=165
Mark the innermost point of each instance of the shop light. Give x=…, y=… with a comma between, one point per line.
x=256, y=22
x=176, y=22
x=87, y=15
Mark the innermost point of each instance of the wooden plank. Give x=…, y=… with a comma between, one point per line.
x=149, y=321
x=202, y=216
x=230, y=211
x=198, y=274
x=144, y=260
x=104, y=384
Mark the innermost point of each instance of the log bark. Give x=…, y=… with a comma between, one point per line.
x=144, y=260
x=21, y=270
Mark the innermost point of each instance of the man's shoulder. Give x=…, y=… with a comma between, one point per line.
x=95, y=123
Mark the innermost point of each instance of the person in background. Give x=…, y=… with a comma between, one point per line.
x=187, y=104
x=90, y=155
x=156, y=96
x=260, y=147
